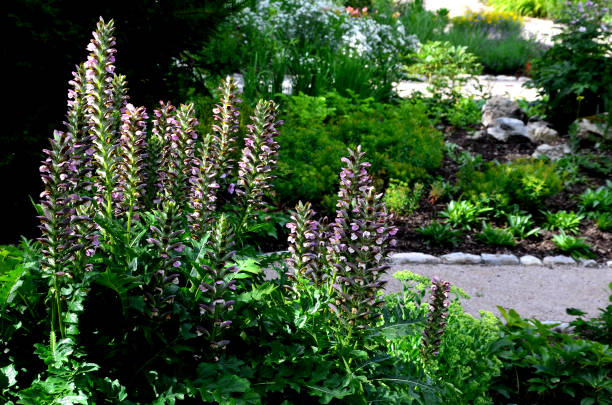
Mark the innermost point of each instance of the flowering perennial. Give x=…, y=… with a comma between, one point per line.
x=436, y=318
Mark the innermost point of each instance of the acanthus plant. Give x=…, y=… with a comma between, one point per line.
x=359, y=241
x=109, y=186
x=436, y=318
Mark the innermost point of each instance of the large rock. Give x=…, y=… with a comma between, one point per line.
x=499, y=106
x=552, y=152
x=506, y=127
x=586, y=129
x=539, y=132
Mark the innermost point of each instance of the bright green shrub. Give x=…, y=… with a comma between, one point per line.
x=466, y=359
x=399, y=140
x=526, y=182
x=402, y=199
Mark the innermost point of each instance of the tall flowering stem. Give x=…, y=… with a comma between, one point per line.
x=178, y=157
x=258, y=156
x=204, y=186
x=226, y=125
x=100, y=103
x=120, y=99
x=214, y=286
x=164, y=125
x=362, y=236
x=304, y=244
x=132, y=166
x=77, y=125
x=59, y=238
x=436, y=318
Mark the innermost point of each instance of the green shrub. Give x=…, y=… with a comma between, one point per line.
x=532, y=8
x=544, y=366
x=466, y=356
x=521, y=226
x=399, y=139
x=401, y=199
x=526, y=182
x=575, y=73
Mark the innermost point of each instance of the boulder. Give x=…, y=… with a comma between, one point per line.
x=552, y=152
x=588, y=129
x=499, y=106
x=539, y=132
x=506, y=127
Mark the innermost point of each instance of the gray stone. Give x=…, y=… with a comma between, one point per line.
x=609, y=264
x=506, y=127
x=558, y=261
x=587, y=262
x=559, y=327
x=479, y=134
x=539, y=132
x=461, y=258
x=587, y=129
x=500, y=106
x=529, y=260
x=499, y=260
x=552, y=152
x=413, y=258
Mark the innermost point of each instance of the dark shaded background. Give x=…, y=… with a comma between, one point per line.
x=46, y=39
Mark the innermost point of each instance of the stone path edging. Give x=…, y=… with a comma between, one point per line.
x=487, y=259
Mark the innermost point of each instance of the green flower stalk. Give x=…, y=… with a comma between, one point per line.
x=304, y=245
x=436, y=318
x=258, y=157
x=132, y=166
x=204, y=187
x=100, y=102
x=362, y=235
x=226, y=117
x=120, y=99
x=164, y=125
x=216, y=290
x=178, y=157
x=59, y=237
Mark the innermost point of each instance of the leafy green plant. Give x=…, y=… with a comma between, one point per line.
x=563, y=220
x=532, y=8
x=317, y=130
x=541, y=365
x=401, y=199
x=576, y=247
x=465, y=113
x=464, y=213
x=521, y=226
x=440, y=234
x=603, y=220
x=446, y=67
x=524, y=182
x=496, y=236
x=599, y=200
x=575, y=72
x=596, y=328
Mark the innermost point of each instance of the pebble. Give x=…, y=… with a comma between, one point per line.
x=413, y=258
x=587, y=263
x=558, y=261
x=499, y=260
x=461, y=258
x=529, y=260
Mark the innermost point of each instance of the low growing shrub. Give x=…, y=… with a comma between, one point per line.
x=576, y=247
x=440, y=234
x=400, y=139
x=496, y=236
x=463, y=214
x=563, y=220
x=402, y=199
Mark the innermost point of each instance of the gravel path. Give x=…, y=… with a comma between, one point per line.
x=539, y=291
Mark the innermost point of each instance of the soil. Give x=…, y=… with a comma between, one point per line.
x=408, y=239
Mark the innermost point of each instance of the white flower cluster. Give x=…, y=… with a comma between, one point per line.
x=322, y=22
